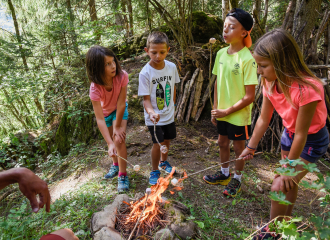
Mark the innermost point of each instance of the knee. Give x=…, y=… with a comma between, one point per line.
x=223, y=143
x=156, y=146
x=118, y=142
x=66, y=233
x=276, y=186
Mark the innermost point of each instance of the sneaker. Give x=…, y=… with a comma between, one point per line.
x=233, y=187
x=266, y=234
x=113, y=172
x=154, y=175
x=165, y=166
x=217, y=178
x=123, y=184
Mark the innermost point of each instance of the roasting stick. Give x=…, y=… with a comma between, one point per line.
x=237, y=159
x=163, y=148
x=175, y=181
x=135, y=167
x=148, y=191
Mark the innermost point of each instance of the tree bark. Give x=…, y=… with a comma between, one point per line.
x=191, y=102
x=225, y=9
x=289, y=15
x=148, y=15
x=306, y=14
x=130, y=15
x=233, y=4
x=93, y=15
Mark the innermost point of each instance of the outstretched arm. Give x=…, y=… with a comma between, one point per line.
x=260, y=127
x=103, y=127
x=149, y=109
x=29, y=184
x=121, y=105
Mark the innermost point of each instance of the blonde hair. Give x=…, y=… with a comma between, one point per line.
x=281, y=48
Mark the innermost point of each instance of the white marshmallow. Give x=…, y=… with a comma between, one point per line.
x=163, y=149
x=174, y=181
x=148, y=190
x=136, y=168
x=212, y=40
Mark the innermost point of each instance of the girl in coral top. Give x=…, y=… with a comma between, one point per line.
x=107, y=92
x=297, y=95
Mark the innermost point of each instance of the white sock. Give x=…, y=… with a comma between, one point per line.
x=238, y=177
x=225, y=171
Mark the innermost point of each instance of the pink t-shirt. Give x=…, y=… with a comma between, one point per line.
x=289, y=113
x=108, y=99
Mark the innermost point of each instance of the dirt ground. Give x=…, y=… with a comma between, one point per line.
x=195, y=148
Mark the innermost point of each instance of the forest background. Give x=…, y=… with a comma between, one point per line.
x=46, y=118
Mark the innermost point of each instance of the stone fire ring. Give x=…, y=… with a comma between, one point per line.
x=103, y=222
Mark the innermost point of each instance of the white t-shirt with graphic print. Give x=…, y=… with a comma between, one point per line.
x=159, y=85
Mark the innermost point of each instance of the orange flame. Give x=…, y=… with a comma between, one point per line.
x=154, y=198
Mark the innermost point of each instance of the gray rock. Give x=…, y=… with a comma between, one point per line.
x=164, y=234
x=108, y=234
x=107, y=217
x=184, y=230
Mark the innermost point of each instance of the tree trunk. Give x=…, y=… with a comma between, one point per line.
x=233, y=4
x=264, y=19
x=130, y=15
x=125, y=20
x=18, y=36
x=289, y=15
x=306, y=14
x=93, y=15
x=148, y=15
x=225, y=9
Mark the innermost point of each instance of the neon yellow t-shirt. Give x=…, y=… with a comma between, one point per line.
x=233, y=73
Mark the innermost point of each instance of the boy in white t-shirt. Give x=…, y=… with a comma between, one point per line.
x=157, y=86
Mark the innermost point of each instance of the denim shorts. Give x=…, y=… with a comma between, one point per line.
x=315, y=147
x=109, y=119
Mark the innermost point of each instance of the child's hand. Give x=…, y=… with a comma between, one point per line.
x=112, y=150
x=154, y=117
x=214, y=121
x=120, y=133
x=219, y=113
x=287, y=183
x=247, y=154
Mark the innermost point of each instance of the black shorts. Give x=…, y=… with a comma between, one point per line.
x=165, y=132
x=232, y=131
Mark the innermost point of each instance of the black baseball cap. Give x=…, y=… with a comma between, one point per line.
x=246, y=20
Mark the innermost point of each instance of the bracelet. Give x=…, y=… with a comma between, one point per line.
x=290, y=161
x=254, y=149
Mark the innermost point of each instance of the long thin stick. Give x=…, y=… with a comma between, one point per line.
x=237, y=159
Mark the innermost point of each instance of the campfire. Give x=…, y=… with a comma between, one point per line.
x=146, y=215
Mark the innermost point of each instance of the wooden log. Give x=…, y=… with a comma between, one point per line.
x=178, y=102
x=191, y=103
x=198, y=92
x=205, y=97
x=185, y=97
x=318, y=66
x=183, y=80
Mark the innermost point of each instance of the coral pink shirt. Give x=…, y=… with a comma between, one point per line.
x=108, y=99
x=289, y=113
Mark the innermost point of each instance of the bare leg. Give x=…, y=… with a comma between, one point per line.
x=239, y=146
x=167, y=144
x=286, y=210
x=223, y=142
x=155, y=156
x=121, y=148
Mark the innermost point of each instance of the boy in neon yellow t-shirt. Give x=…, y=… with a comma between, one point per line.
x=234, y=93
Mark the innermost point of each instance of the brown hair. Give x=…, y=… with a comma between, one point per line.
x=281, y=48
x=95, y=63
x=157, y=38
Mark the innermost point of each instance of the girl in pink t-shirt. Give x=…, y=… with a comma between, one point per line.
x=107, y=92
x=297, y=95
